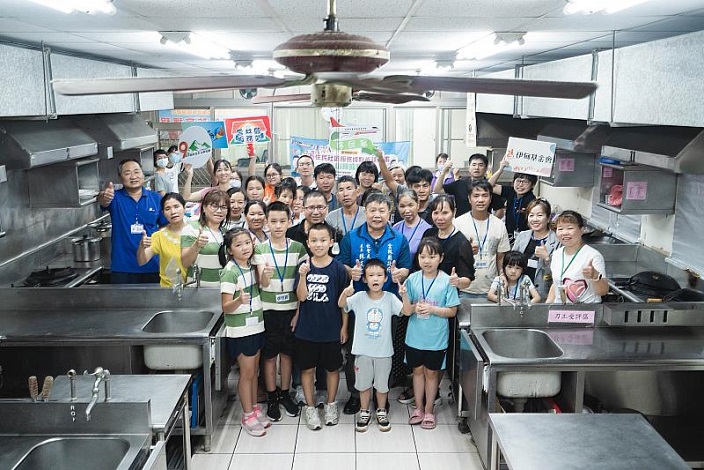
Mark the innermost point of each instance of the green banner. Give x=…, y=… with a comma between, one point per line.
x=362, y=143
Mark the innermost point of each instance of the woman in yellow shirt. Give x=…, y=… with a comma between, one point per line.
x=167, y=241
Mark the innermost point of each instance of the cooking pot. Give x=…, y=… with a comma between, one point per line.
x=652, y=284
x=86, y=249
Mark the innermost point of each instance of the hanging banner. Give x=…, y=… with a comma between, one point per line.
x=248, y=131
x=215, y=129
x=184, y=115
x=346, y=160
x=532, y=157
x=196, y=146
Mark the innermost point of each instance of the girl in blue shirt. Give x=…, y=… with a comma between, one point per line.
x=429, y=299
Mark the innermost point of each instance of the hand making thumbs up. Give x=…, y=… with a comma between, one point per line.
x=146, y=241
x=349, y=290
x=454, y=278
x=395, y=272
x=304, y=268
x=588, y=271
x=106, y=196
x=357, y=271
x=244, y=296
x=268, y=269
x=202, y=239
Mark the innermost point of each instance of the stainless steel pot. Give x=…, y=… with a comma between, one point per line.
x=86, y=249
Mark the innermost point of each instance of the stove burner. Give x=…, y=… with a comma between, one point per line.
x=50, y=277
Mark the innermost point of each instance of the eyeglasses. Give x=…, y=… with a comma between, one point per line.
x=272, y=175
x=316, y=208
x=521, y=181
x=218, y=207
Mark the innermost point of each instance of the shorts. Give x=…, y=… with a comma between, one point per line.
x=247, y=345
x=433, y=360
x=372, y=371
x=278, y=336
x=310, y=355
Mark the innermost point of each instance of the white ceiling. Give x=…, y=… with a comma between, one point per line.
x=415, y=31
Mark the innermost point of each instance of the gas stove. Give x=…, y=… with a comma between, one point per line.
x=58, y=277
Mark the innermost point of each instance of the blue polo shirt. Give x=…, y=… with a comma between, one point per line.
x=125, y=212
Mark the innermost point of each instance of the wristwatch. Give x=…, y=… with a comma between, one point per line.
x=598, y=278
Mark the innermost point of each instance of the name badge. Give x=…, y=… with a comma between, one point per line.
x=136, y=228
x=281, y=298
x=335, y=249
x=533, y=263
x=251, y=321
x=480, y=263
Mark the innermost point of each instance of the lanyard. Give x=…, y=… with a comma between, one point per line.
x=259, y=239
x=422, y=285
x=565, y=268
x=517, y=210
x=215, y=237
x=515, y=289
x=476, y=230
x=344, y=224
x=251, y=284
x=403, y=230
x=279, y=273
x=442, y=240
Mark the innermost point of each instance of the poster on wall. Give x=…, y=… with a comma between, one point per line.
x=532, y=157
x=196, y=147
x=250, y=130
x=345, y=160
x=184, y=115
x=215, y=129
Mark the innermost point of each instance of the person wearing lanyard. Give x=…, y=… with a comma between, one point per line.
x=517, y=196
x=488, y=237
x=578, y=268
x=134, y=210
x=350, y=215
x=412, y=226
x=277, y=262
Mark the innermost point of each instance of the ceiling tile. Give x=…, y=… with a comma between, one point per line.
x=455, y=23
x=682, y=24
x=587, y=23
x=430, y=42
x=190, y=8
x=489, y=8
x=255, y=25
x=345, y=9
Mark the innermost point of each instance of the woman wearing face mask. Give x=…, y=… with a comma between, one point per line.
x=441, y=161
x=222, y=172
x=174, y=167
x=162, y=183
x=236, y=179
x=537, y=244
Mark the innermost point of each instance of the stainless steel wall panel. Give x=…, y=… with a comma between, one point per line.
x=21, y=82
x=155, y=101
x=602, y=99
x=496, y=104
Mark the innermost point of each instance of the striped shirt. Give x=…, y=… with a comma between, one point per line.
x=248, y=318
x=207, y=259
x=280, y=294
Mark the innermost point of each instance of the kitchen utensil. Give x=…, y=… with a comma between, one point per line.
x=46, y=387
x=33, y=387
x=86, y=249
x=685, y=295
x=652, y=284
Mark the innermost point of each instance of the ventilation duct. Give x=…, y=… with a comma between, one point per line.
x=575, y=136
x=119, y=131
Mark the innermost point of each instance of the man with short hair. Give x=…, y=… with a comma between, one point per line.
x=478, y=165
x=315, y=210
x=325, y=175
x=304, y=167
x=419, y=181
x=350, y=215
x=134, y=211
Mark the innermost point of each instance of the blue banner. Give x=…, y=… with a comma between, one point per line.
x=215, y=129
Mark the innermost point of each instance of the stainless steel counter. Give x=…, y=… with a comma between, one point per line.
x=579, y=441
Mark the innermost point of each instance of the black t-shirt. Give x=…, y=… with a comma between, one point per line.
x=457, y=253
x=460, y=190
x=516, y=219
x=298, y=234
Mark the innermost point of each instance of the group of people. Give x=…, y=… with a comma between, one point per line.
x=374, y=269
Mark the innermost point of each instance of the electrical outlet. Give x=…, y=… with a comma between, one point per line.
x=3, y=175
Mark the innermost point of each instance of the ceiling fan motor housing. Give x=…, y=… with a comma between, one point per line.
x=331, y=51
x=330, y=95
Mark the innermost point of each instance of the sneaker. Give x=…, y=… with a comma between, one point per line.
x=261, y=416
x=332, y=416
x=272, y=408
x=352, y=406
x=438, y=400
x=290, y=407
x=312, y=418
x=406, y=397
x=363, y=420
x=252, y=426
x=300, y=396
x=320, y=398
x=382, y=420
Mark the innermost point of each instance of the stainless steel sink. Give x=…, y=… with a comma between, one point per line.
x=70, y=453
x=521, y=344
x=178, y=321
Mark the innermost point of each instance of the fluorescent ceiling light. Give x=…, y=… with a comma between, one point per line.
x=194, y=44
x=492, y=44
x=85, y=6
x=588, y=7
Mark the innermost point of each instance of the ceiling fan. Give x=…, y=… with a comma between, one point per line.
x=337, y=66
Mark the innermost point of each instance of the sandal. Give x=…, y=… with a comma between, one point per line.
x=428, y=421
x=417, y=417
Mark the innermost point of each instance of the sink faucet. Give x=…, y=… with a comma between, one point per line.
x=179, y=284
x=500, y=291
x=524, y=296
x=72, y=380
x=101, y=375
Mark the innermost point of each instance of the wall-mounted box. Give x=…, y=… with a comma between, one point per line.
x=72, y=184
x=572, y=170
x=637, y=189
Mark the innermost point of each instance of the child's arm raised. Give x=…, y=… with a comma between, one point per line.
x=407, y=305
x=302, y=288
x=347, y=293
x=230, y=304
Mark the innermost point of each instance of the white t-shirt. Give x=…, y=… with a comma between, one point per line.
x=567, y=273
x=514, y=292
x=492, y=238
x=172, y=176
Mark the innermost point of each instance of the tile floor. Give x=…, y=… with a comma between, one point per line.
x=289, y=445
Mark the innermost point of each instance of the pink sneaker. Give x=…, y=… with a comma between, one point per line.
x=252, y=426
x=261, y=416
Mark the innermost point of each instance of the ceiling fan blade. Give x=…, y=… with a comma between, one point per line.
x=495, y=86
x=392, y=98
x=281, y=98
x=105, y=86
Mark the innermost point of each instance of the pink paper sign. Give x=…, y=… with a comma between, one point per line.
x=607, y=172
x=637, y=190
x=571, y=316
x=565, y=164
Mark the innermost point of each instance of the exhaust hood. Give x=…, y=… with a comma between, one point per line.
x=677, y=149
x=119, y=131
x=575, y=136
x=29, y=144
x=493, y=130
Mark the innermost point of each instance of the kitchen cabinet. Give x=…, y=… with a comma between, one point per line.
x=70, y=184
x=572, y=169
x=636, y=189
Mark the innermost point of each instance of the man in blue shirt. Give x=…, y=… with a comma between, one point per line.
x=134, y=210
x=374, y=239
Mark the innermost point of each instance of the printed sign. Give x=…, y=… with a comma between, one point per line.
x=184, y=115
x=196, y=145
x=607, y=172
x=215, y=129
x=637, y=190
x=565, y=164
x=248, y=131
x=585, y=317
x=532, y=157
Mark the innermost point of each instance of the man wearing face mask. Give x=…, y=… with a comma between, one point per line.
x=176, y=167
x=162, y=183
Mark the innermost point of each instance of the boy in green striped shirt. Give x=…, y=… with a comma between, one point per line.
x=277, y=262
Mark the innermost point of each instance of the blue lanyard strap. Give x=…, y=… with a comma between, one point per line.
x=344, y=224
x=279, y=273
x=476, y=230
x=422, y=285
x=251, y=284
x=403, y=230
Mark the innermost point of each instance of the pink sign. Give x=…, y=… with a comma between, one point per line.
x=637, y=190
x=565, y=164
x=585, y=317
x=607, y=172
